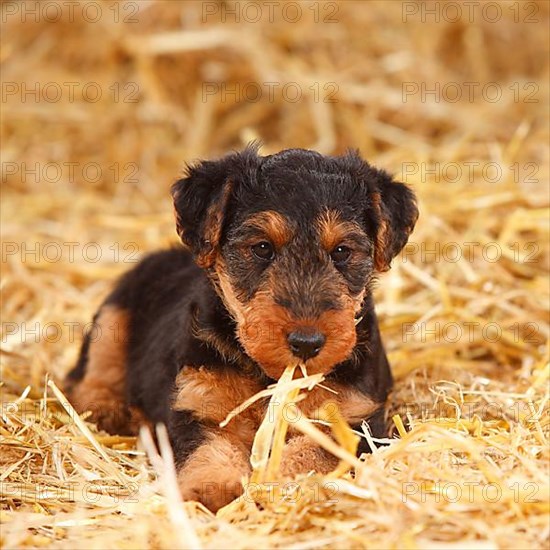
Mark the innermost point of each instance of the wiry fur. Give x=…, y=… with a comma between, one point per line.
x=206, y=325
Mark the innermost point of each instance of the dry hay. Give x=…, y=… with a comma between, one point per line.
x=468, y=465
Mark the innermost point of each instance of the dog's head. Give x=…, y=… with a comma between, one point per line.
x=291, y=242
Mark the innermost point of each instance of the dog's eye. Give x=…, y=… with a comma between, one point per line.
x=263, y=250
x=340, y=255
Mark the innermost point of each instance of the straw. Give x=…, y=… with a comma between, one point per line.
x=466, y=463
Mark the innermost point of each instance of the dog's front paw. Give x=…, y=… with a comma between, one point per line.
x=301, y=455
x=213, y=474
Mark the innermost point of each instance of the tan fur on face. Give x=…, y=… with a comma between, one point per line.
x=212, y=394
x=226, y=292
x=103, y=388
x=333, y=230
x=213, y=473
x=263, y=327
x=267, y=324
x=273, y=225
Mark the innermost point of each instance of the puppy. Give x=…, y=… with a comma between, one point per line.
x=279, y=256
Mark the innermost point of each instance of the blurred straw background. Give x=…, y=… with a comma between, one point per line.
x=100, y=110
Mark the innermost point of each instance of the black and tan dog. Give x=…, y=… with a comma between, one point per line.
x=279, y=259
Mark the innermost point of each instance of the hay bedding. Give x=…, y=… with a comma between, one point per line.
x=468, y=463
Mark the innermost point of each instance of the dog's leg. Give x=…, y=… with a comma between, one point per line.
x=212, y=461
x=98, y=382
x=301, y=454
x=213, y=473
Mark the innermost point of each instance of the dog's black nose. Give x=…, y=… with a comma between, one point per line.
x=305, y=345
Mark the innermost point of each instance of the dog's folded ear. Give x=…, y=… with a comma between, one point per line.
x=202, y=198
x=200, y=201
x=391, y=210
x=396, y=212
